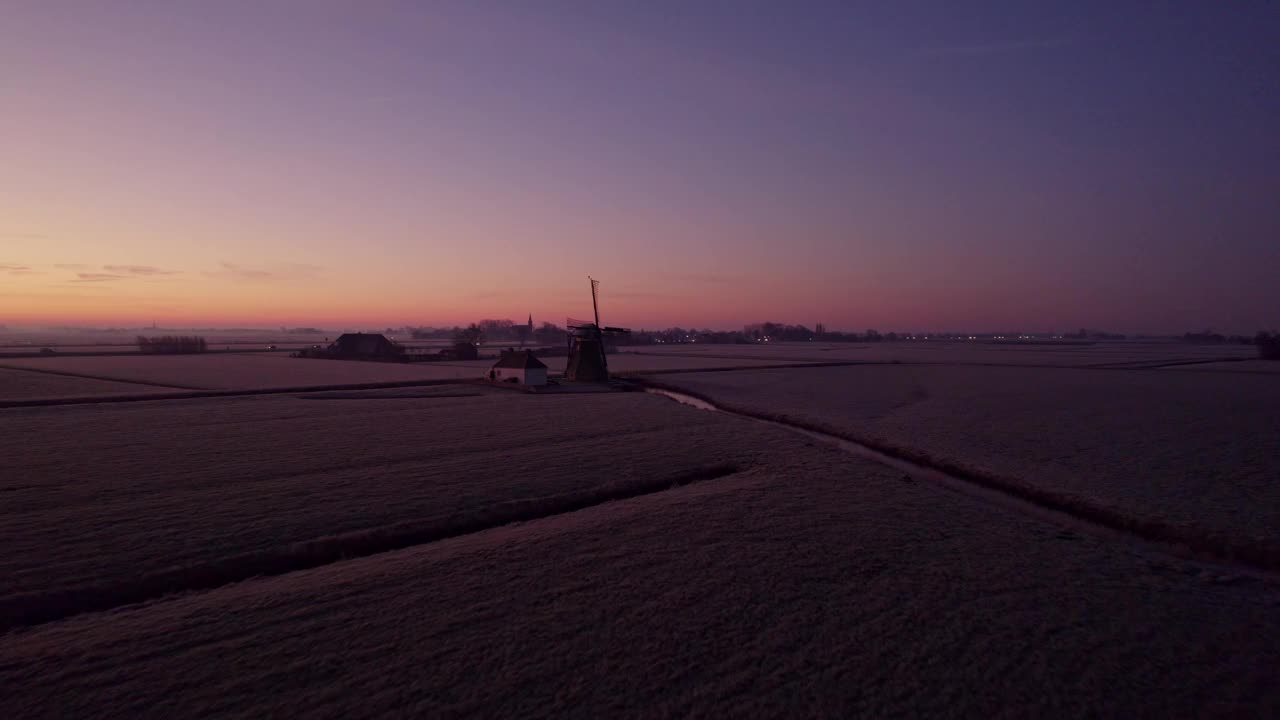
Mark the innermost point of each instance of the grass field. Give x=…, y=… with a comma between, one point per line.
x=28, y=385
x=1246, y=366
x=626, y=361
x=238, y=371
x=460, y=550
x=105, y=495
x=809, y=584
x=254, y=371
x=1191, y=448
x=946, y=352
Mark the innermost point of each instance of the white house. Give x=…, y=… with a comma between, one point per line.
x=519, y=366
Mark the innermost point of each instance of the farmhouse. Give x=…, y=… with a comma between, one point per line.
x=364, y=346
x=519, y=366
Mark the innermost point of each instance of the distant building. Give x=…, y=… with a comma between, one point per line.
x=519, y=366
x=365, y=346
x=461, y=350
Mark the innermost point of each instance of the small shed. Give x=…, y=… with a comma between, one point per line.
x=519, y=366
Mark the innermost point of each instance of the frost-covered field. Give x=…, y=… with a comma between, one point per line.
x=101, y=494
x=1246, y=366
x=631, y=362
x=810, y=584
x=256, y=371
x=461, y=550
x=253, y=371
x=27, y=385
x=239, y=371
x=920, y=351
x=1199, y=449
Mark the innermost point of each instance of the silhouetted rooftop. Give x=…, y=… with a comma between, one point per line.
x=519, y=359
x=363, y=344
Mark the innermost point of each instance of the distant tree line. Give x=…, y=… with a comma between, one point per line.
x=505, y=331
x=1208, y=337
x=1268, y=345
x=171, y=345
x=491, y=331
x=1083, y=334
x=770, y=332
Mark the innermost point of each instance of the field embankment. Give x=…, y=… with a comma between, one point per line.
x=239, y=371
x=23, y=385
x=1177, y=456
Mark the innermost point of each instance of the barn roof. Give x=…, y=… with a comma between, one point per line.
x=364, y=344
x=523, y=359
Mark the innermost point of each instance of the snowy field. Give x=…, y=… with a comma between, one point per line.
x=457, y=550
x=1197, y=449
x=247, y=371
x=28, y=385
x=1108, y=353
x=255, y=371
x=808, y=584
x=95, y=495
x=626, y=361
x=1243, y=366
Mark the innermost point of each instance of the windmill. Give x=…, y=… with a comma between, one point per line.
x=587, y=360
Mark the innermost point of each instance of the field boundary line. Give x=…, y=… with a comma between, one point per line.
x=202, y=394
x=1257, y=554
x=37, y=608
x=1157, y=364
x=66, y=373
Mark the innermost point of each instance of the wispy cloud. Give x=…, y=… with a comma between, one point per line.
x=98, y=277
x=994, y=48
x=280, y=272
x=14, y=269
x=141, y=270
x=71, y=266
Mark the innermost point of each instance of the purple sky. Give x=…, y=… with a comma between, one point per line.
x=904, y=165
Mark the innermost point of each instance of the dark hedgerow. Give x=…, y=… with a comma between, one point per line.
x=1268, y=345
x=171, y=345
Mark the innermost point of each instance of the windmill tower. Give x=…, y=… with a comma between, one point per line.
x=587, y=360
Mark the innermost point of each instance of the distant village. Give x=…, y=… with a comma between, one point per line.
x=545, y=339
x=548, y=333
x=548, y=339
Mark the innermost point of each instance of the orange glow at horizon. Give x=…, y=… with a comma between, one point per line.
x=236, y=165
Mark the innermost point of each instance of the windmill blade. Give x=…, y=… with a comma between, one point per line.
x=624, y=331
x=595, y=305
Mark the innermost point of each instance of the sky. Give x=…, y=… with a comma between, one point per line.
x=902, y=165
